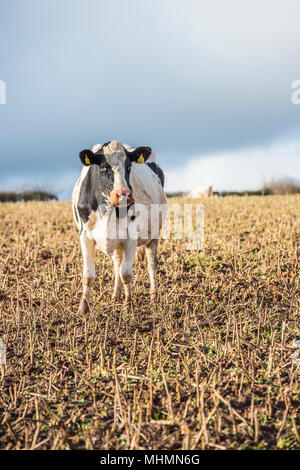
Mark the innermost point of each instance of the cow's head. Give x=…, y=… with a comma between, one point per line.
x=116, y=157
x=119, y=160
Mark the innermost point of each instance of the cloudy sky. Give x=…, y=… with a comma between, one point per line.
x=206, y=83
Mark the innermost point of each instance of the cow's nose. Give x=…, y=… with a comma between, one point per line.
x=125, y=197
x=121, y=197
x=125, y=194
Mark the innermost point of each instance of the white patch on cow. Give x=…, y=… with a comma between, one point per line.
x=128, y=147
x=75, y=196
x=146, y=186
x=116, y=157
x=152, y=157
x=96, y=147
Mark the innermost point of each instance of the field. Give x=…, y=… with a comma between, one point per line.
x=207, y=367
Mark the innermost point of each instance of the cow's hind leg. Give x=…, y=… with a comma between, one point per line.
x=117, y=259
x=151, y=250
x=88, y=253
x=126, y=267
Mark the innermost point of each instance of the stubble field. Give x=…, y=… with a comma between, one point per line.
x=207, y=367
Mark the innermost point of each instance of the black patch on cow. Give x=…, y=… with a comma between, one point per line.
x=134, y=155
x=158, y=171
x=127, y=172
x=105, y=144
x=88, y=157
x=99, y=179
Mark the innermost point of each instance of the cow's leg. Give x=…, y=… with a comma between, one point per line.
x=126, y=267
x=88, y=253
x=151, y=250
x=117, y=259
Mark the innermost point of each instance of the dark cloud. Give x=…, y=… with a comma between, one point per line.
x=185, y=77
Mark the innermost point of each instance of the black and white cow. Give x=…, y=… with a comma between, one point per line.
x=112, y=206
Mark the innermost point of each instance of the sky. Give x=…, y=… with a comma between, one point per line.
x=206, y=83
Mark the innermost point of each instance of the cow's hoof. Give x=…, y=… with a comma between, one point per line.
x=83, y=307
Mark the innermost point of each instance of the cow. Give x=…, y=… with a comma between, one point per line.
x=112, y=200
x=205, y=191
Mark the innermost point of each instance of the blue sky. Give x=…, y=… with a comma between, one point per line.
x=207, y=84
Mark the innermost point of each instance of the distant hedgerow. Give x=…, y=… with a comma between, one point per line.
x=14, y=196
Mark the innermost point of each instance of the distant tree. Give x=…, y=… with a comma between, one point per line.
x=282, y=186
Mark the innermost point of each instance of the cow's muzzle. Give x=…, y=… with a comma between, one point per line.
x=121, y=197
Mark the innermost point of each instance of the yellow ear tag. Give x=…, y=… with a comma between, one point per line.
x=141, y=159
x=87, y=160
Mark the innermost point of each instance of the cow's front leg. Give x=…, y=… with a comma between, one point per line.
x=88, y=253
x=151, y=250
x=117, y=259
x=126, y=267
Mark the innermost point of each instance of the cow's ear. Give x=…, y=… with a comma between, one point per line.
x=88, y=157
x=139, y=155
